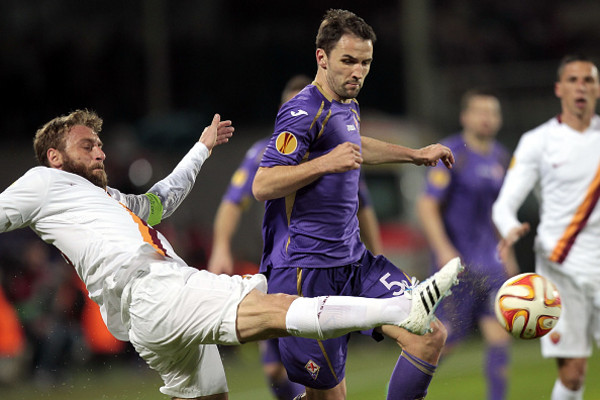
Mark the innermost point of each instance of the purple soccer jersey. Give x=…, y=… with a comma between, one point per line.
x=317, y=226
x=466, y=194
x=239, y=190
x=312, y=241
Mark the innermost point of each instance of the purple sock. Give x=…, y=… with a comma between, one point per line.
x=410, y=378
x=285, y=389
x=496, y=371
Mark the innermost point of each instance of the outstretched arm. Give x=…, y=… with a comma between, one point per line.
x=217, y=133
x=279, y=181
x=165, y=196
x=379, y=152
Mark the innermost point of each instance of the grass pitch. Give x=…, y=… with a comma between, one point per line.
x=460, y=376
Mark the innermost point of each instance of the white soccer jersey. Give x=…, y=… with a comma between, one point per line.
x=564, y=167
x=104, y=234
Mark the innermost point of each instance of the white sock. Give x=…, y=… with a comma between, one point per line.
x=561, y=392
x=332, y=316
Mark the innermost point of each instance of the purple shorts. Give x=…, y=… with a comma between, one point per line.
x=320, y=364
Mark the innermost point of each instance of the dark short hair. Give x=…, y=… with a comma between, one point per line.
x=52, y=134
x=475, y=92
x=568, y=59
x=295, y=84
x=337, y=23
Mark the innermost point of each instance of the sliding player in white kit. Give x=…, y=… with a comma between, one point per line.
x=561, y=158
x=173, y=314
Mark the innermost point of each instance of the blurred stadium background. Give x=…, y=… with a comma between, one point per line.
x=157, y=70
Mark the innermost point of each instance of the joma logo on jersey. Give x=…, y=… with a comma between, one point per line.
x=351, y=128
x=312, y=368
x=286, y=143
x=298, y=113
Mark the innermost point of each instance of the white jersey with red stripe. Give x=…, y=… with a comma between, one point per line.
x=563, y=166
x=103, y=234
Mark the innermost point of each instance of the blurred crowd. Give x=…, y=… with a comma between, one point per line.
x=49, y=327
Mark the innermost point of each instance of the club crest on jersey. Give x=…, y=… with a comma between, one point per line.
x=312, y=368
x=286, y=143
x=439, y=178
x=239, y=178
x=555, y=337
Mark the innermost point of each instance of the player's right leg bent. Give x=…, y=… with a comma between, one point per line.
x=176, y=315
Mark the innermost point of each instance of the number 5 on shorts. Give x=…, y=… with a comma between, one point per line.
x=389, y=285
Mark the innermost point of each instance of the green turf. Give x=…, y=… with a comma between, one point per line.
x=369, y=366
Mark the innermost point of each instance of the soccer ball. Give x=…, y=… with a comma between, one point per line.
x=528, y=306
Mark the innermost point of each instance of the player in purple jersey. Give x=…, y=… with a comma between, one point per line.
x=235, y=201
x=173, y=314
x=455, y=212
x=309, y=178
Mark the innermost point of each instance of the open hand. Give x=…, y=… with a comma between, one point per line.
x=217, y=133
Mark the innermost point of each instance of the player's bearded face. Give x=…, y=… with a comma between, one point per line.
x=349, y=63
x=94, y=173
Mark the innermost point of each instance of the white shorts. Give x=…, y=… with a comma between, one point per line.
x=579, y=323
x=177, y=315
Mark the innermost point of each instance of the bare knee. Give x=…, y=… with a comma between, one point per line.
x=262, y=316
x=336, y=393
x=427, y=347
x=572, y=372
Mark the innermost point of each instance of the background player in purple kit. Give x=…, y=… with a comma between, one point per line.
x=309, y=178
x=235, y=201
x=455, y=212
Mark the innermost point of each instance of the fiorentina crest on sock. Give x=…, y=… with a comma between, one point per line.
x=528, y=306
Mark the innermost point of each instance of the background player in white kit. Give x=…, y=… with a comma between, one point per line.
x=173, y=314
x=561, y=158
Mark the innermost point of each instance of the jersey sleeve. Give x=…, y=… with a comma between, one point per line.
x=21, y=201
x=522, y=175
x=295, y=130
x=437, y=182
x=438, y=179
x=166, y=195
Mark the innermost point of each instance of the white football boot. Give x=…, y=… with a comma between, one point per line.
x=427, y=295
